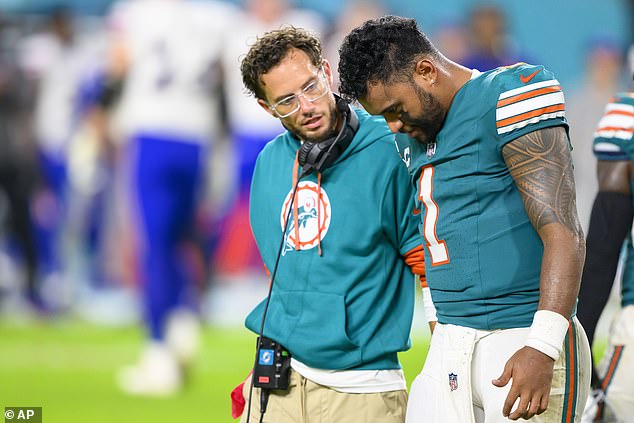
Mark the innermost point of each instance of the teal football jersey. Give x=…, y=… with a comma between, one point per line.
x=614, y=140
x=483, y=256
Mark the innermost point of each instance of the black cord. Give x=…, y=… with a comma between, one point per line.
x=263, y=393
x=264, y=400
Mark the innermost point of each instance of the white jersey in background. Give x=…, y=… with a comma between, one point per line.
x=173, y=49
x=59, y=69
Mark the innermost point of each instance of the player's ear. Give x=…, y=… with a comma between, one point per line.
x=263, y=104
x=425, y=71
x=328, y=72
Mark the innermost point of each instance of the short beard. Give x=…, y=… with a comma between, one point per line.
x=432, y=121
x=332, y=130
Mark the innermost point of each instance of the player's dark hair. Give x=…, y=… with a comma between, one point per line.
x=382, y=50
x=270, y=49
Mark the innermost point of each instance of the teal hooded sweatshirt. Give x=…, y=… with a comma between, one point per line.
x=343, y=296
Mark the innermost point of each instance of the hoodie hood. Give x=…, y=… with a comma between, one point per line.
x=363, y=138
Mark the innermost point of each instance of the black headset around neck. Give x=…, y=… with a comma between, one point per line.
x=317, y=156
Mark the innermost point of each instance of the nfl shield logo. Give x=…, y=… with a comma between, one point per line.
x=431, y=149
x=453, y=381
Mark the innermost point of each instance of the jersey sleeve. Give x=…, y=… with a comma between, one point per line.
x=614, y=135
x=529, y=98
x=399, y=220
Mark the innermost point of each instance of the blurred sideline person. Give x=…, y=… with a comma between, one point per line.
x=17, y=166
x=584, y=107
x=343, y=294
x=490, y=159
x=250, y=128
x=353, y=14
x=490, y=46
x=610, y=227
x=164, y=58
x=57, y=59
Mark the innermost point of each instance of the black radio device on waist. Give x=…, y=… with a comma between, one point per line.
x=272, y=365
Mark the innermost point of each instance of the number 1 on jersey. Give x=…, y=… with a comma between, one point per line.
x=437, y=248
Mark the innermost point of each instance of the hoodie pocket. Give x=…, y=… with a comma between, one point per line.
x=320, y=339
x=312, y=326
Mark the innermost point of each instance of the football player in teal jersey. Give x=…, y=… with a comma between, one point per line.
x=343, y=291
x=610, y=226
x=490, y=160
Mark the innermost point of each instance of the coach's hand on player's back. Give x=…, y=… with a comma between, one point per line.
x=532, y=374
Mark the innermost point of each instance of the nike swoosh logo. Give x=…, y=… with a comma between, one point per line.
x=526, y=79
x=416, y=212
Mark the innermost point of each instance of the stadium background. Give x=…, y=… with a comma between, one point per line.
x=66, y=362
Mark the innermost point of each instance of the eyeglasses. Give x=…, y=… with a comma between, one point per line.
x=311, y=92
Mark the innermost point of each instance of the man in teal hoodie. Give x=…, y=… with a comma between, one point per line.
x=343, y=293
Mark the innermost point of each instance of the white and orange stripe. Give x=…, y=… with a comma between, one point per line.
x=529, y=104
x=617, y=122
x=606, y=147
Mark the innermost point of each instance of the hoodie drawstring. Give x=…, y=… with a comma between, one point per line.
x=319, y=213
x=294, y=206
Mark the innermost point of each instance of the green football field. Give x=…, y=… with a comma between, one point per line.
x=68, y=368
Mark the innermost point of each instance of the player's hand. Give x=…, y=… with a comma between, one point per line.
x=532, y=374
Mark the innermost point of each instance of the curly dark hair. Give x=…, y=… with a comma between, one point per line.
x=381, y=50
x=270, y=49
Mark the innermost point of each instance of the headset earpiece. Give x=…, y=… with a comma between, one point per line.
x=317, y=156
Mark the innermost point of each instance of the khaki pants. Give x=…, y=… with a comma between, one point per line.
x=308, y=402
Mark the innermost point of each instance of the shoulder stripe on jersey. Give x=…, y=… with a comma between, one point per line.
x=617, y=122
x=535, y=119
x=528, y=118
x=529, y=87
x=618, y=109
x=530, y=94
x=528, y=105
x=618, y=118
x=611, y=132
x=606, y=147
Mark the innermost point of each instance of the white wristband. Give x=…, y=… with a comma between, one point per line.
x=428, y=306
x=547, y=333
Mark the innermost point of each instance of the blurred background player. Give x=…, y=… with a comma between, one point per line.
x=489, y=44
x=353, y=14
x=165, y=59
x=610, y=226
x=56, y=61
x=601, y=79
x=250, y=128
x=17, y=166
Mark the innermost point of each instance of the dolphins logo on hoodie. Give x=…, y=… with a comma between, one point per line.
x=310, y=223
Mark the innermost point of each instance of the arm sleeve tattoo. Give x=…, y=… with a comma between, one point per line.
x=541, y=166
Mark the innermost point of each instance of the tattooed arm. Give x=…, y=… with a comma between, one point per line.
x=541, y=166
